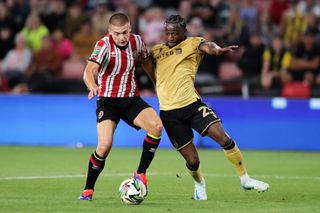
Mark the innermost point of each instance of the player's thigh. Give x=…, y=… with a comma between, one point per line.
x=107, y=117
x=148, y=120
x=203, y=117
x=106, y=129
x=133, y=107
x=178, y=131
x=107, y=110
x=217, y=132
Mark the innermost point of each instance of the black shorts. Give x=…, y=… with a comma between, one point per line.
x=179, y=123
x=115, y=109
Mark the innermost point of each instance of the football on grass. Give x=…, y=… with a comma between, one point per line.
x=132, y=191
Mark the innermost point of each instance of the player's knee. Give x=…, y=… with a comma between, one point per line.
x=156, y=128
x=103, y=150
x=223, y=140
x=193, y=164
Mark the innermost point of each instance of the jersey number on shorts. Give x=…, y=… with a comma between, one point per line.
x=206, y=111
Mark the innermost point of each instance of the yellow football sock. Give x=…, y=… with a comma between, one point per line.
x=196, y=175
x=235, y=157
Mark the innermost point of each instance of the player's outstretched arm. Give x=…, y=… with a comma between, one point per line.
x=89, y=78
x=212, y=48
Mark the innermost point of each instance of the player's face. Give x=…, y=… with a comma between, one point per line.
x=120, y=35
x=174, y=34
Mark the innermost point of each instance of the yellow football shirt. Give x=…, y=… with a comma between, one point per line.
x=176, y=68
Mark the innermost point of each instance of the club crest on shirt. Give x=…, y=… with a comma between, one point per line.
x=178, y=51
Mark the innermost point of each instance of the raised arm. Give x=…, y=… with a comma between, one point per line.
x=212, y=48
x=89, y=78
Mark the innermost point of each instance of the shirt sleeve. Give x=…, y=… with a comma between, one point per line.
x=99, y=52
x=196, y=42
x=143, y=52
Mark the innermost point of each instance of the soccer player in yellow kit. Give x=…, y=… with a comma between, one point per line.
x=181, y=107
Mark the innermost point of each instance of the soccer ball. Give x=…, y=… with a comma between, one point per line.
x=132, y=191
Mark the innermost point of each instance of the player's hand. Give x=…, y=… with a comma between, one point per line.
x=228, y=49
x=93, y=92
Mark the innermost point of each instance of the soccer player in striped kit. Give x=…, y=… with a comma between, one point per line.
x=114, y=59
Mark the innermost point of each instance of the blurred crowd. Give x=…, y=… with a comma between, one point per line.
x=44, y=44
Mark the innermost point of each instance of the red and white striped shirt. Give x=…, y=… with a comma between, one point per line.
x=117, y=66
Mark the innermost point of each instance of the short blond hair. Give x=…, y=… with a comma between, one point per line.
x=119, y=19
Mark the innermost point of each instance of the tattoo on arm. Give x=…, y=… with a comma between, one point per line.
x=214, y=45
x=210, y=47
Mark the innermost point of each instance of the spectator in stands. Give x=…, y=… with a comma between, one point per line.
x=19, y=10
x=74, y=20
x=195, y=27
x=85, y=39
x=185, y=9
x=16, y=62
x=6, y=41
x=134, y=13
x=306, y=59
x=71, y=77
x=276, y=9
x=251, y=60
x=249, y=14
x=37, y=6
x=221, y=11
x=45, y=67
x=34, y=31
x=61, y=44
x=100, y=17
x=6, y=20
x=3, y=84
x=151, y=26
x=73, y=67
x=8, y=29
x=56, y=16
x=276, y=61
x=293, y=24
x=235, y=31
x=312, y=24
x=265, y=27
x=203, y=10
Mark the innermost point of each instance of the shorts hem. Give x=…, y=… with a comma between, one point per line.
x=185, y=145
x=212, y=122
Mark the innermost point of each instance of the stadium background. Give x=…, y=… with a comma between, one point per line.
x=43, y=99
x=46, y=119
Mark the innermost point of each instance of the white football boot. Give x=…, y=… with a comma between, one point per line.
x=200, y=190
x=249, y=183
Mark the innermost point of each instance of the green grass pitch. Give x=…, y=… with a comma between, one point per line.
x=46, y=179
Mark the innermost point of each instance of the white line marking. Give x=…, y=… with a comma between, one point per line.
x=158, y=174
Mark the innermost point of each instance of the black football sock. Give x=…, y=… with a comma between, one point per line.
x=150, y=145
x=96, y=165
